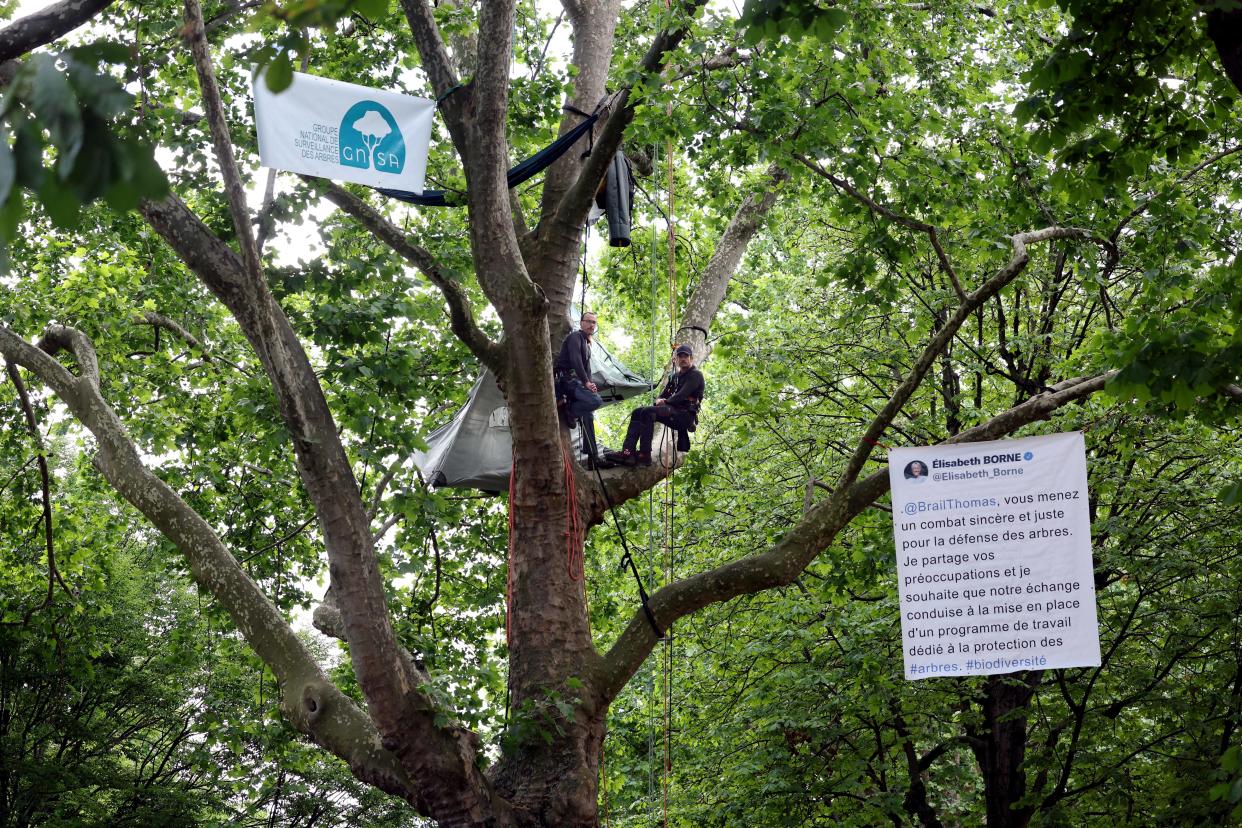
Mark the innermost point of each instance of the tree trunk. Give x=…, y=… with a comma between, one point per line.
x=554, y=784
x=556, y=719
x=1000, y=748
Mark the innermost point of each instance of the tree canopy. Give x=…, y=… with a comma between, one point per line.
x=896, y=224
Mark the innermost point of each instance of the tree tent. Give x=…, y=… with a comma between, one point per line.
x=474, y=451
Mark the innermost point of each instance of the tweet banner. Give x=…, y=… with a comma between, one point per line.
x=344, y=132
x=993, y=548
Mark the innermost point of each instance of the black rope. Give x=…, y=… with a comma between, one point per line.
x=443, y=97
x=586, y=278
x=627, y=558
x=694, y=328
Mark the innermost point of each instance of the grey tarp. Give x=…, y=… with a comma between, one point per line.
x=474, y=450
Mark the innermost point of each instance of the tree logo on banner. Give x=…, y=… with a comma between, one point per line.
x=369, y=137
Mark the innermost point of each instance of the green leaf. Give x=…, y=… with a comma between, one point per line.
x=122, y=196
x=829, y=24
x=61, y=203
x=28, y=156
x=101, y=51
x=57, y=109
x=146, y=174
x=11, y=213
x=372, y=9
x=1232, y=494
x=99, y=92
x=8, y=169
x=279, y=73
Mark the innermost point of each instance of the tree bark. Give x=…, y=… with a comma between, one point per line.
x=1225, y=29
x=709, y=292
x=45, y=25
x=1000, y=747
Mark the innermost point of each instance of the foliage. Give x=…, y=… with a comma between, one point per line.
x=787, y=707
x=66, y=104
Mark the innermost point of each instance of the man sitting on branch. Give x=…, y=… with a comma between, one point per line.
x=677, y=408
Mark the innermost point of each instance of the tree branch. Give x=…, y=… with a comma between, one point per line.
x=311, y=702
x=476, y=119
x=905, y=221
x=726, y=59
x=45, y=486
x=46, y=25
x=571, y=210
x=709, y=292
x=1191, y=173
x=712, y=286
x=196, y=37
x=436, y=61
x=381, y=486
x=781, y=564
x=158, y=320
x=594, y=27
x=402, y=710
x=59, y=338
x=945, y=335
x=461, y=315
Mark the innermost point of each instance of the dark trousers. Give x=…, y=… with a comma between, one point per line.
x=642, y=425
x=582, y=404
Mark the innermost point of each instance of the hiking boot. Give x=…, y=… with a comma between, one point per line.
x=617, y=457
x=642, y=458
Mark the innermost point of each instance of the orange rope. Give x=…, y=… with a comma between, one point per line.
x=575, y=536
x=509, y=584
x=603, y=775
x=668, y=644
x=668, y=481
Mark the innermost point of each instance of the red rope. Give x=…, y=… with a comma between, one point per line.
x=574, y=535
x=509, y=585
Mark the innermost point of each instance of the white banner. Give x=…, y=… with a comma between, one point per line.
x=344, y=132
x=994, y=556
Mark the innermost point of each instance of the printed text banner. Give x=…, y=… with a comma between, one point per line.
x=993, y=548
x=344, y=132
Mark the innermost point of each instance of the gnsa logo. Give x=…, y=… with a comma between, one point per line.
x=370, y=137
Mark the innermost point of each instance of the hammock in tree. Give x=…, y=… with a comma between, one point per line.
x=523, y=172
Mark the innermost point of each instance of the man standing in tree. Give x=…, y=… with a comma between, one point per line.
x=677, y=408
x=573, y=382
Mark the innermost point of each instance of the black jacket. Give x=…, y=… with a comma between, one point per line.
x=617, y=200
x=684, y=390
x=575, y=357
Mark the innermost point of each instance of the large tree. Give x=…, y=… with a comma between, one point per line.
x=946, y=205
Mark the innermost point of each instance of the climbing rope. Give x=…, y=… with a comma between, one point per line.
x=586, y=243
x=575, y=537
x=627, y=558
x=669, y=500
x=509, y=584
x=509, y=588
